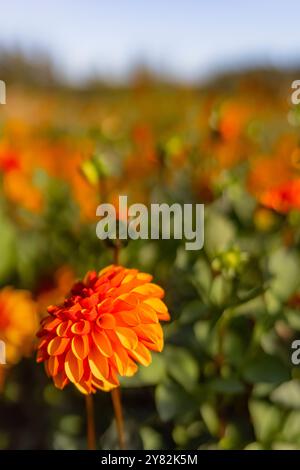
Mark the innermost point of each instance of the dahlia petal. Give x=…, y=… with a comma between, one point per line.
x=57, y=346
x=60, y=380
x=129, y=317
x=102, y=342
x=157, y=304
x=104, y=385
x=73, y=367
x=42, y=343
x=42, y=355
x=113, y=377
x=117, y=279
x=98, y=364
x=106, y=321
x=164, y=316
x=51, y=309
x=144, y=277
x=132, y=368
x=127, y=337
x=111, y=382
x=53, y=365
x=84, y=388
x=147, y=314
x=149, y=289
x=105, y=306
x=127, y=278
x=124, y=288
x=82, y=327
x=80, y=346
x=120, y=305
x=91, y=301
x=157, y=346
x=63, y=328
x=107, y=270
x=149, y=332
x=141, y=354
x=50, y=323
x=76, y=308
x=121, y=359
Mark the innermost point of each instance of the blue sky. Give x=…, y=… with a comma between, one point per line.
x=189, y=38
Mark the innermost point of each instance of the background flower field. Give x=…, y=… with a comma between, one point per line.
x=225, y=379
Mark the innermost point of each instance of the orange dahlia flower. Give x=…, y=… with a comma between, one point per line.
x=109, y=322
x=18, y=323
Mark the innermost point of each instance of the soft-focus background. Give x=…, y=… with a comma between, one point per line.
x=164, y=101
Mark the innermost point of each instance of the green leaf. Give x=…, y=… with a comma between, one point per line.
x=285, y=268
x=291, y=429
x=172, y=401
x=7, y=248
x=204, y=335
x=152, y=440
x=202, y=277
x=287, y=394
x=254, y=446
x=182, y=366
x=192, y=312
x=219, y=233
x=265, y=368
x=267, y=420
x=221, y=291
x=228, y=386
x=210, y=418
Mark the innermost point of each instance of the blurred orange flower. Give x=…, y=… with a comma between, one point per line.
x=54, y=290
x=109, y=322
x=18, y=323
x=284, y=197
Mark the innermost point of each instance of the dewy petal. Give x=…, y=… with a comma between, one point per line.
x=57, y=346
x=98, y=364
x=73, y=367
x=102, y=342
x=80, y=346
